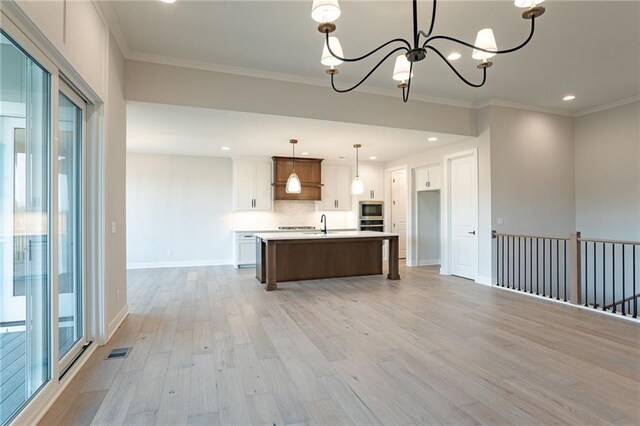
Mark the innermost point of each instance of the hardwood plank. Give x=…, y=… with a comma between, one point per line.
x=210, y=346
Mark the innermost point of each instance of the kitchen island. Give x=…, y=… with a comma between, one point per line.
x=297, y=256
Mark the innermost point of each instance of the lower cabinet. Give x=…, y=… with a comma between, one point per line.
x=245, y=249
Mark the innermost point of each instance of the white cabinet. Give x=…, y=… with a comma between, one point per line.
x=336, y=189
x=245, y=249
x=427, y=178
x=372, y=178
x=252, y=185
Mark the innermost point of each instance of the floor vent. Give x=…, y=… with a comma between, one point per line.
x=119, y=353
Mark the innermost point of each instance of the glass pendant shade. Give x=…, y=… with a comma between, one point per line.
x=485, y=40
x=293, y=184
x=402, y=68
x=527, y=3
x=324, y=11
x=357, y=187
x=327, y=58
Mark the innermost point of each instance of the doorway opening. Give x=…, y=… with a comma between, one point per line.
x=428, y=224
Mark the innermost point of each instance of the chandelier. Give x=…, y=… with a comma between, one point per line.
x=325, y=12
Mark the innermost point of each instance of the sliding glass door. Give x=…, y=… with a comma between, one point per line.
x=71, y=114
x=25, y=308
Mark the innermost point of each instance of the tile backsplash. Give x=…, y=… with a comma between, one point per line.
x=291, y=213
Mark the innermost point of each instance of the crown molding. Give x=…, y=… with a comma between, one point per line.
x=610, y=105
x=269, y=75
x=508, y=104
x=114, y=26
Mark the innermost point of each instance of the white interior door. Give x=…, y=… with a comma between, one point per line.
x=464, y=216
x=399, y=209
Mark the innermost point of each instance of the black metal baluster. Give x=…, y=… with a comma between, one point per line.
x=557, y=269
x=503, y=265
x=508, y=261
x=551, y=266
x=635, y=299
x=497, y=260
x=586, y=276
x=530, y=265
x=565, y=270
x=544, y=266
x=595, y=291
x=623, y=280
x=613, y=270
x=537, y=265
x=519, y=264
x=604, y=272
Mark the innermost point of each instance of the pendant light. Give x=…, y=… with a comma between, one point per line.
x=357, y=187
x=293, y=183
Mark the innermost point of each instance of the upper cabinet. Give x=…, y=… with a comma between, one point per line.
x=427, y=178
x=336, y=189
x=372, y=178
x=251, y=185
x=309, y=172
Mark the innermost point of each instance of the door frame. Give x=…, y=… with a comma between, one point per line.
x=446, y=236
x=19, y=27
x=68, y=91
x=387, y=207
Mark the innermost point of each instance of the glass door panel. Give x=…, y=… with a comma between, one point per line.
x=25, y=334
x=70, y=260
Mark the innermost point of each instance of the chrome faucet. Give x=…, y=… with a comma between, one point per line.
x=323, y=219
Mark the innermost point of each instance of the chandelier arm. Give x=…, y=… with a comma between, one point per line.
x=464, y=43
x=484, y=70
x=368, y=54
x=405, y=97
x=397, y=49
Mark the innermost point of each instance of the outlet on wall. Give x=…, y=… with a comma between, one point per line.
x=500, y=221
x=118, y=295
x=169, y=252
x=113, y=227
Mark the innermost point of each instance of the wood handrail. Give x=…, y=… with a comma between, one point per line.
x=620, y=302
x=497, y=234
x=596, y=240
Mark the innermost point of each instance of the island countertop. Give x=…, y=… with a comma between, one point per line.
x=319, y=235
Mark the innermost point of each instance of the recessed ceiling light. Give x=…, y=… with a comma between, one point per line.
x=373, y=158
x=432, y=139
x=168, y=1
x=568, y=98
x=454, y=56
x=225, y=148
x=305, y=153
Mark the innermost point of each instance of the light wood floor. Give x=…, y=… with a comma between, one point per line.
x=210, y=346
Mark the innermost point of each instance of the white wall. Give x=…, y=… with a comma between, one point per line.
x=532, y=172
x=178, y=210
x=607, y=174
x=172, y=85
x=115, y=191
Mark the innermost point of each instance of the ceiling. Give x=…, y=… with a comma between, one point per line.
x=179, y=130
x=587, y=48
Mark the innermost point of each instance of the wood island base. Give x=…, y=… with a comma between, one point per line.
x=297, y=259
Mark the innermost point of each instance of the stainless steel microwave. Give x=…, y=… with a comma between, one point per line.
x=371, y=210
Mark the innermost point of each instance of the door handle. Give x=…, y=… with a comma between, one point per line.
x=472, y=232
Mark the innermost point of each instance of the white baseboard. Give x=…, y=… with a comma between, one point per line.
x=115, y=323
x=178, y=264
x=428, y=262
x=484, y=280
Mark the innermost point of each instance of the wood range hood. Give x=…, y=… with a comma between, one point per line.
x=309, y=170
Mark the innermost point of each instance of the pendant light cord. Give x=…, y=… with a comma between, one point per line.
x=357, y=164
